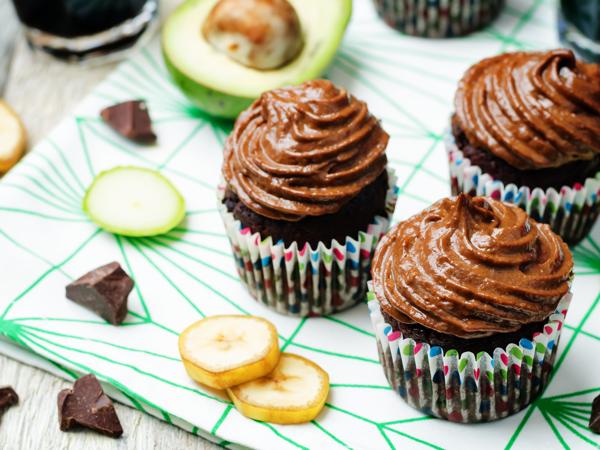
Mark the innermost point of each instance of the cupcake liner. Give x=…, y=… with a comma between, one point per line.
x=465, y=387
x=438, y=18
x=570, y=212
x=304, y=281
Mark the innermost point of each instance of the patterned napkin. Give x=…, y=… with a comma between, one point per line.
x=46, y=241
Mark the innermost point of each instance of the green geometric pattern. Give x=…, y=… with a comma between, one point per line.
x=46, y=241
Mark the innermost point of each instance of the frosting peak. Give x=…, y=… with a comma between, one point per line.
x=303, y=151
x=533, y=110
x=471, y=267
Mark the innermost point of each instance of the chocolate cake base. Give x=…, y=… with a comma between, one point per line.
x=354, y=217
x=486, y=344
x=556, y=177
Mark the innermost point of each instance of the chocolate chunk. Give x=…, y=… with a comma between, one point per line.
x=8, y=398
x=594, y=424
x=130, y=119
x=104, y=291
x=86, y=405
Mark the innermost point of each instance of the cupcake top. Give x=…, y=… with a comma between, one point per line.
x=471, y=267
x=533, y=110
x=303, y=151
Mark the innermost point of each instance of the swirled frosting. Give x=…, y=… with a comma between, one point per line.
x=533, y=110
x=471, y=267
x=303, y=151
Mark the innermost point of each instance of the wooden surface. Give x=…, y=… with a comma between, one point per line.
x=43, y=91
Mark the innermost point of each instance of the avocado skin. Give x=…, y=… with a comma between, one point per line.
x=215, y=103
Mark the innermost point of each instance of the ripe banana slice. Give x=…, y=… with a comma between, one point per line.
x=13, y=138
x=223, y=351
x=294, y=392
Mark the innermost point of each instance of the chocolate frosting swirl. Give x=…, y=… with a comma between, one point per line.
x=533, y=110
x=471, y=267
x=303, y=151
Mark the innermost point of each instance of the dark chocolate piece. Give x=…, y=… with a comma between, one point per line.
x=130, y=119
x=103, y=290
x=594, y=424
x=355, y=216
x=8, y=398
x=86, y=405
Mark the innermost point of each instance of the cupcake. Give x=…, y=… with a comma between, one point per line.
x=306, y=196
x=438, y=18
x=526, y=130
x=468, y=298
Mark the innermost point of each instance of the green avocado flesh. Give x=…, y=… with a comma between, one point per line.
x=223, y=87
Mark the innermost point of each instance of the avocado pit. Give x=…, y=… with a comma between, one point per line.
x=261, y=34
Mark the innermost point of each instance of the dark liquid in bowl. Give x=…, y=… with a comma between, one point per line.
x=73, y=18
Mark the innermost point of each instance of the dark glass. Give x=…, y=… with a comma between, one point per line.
x=585, y=15
x=71, y=18
x=579, y=27
x=76, y=29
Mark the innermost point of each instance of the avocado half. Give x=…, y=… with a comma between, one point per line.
x=223, y=87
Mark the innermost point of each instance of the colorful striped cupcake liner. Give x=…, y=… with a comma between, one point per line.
x=304, y=281
x=465, y=387
x=571, y=212
x=438, y=18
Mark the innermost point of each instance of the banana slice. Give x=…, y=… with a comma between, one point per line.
x=13, y=138
x=294, y=392
x=223, y=351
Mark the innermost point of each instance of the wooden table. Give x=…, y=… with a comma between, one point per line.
x=43, y=91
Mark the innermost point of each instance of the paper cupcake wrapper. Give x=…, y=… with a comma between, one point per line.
x=438, y=18
x=570, y=212
x=304, y=281
x=465, y=387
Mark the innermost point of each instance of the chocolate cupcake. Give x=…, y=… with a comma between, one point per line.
x=438, y=18
x=307, y=195
x=527, y=130
x=468, y=299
